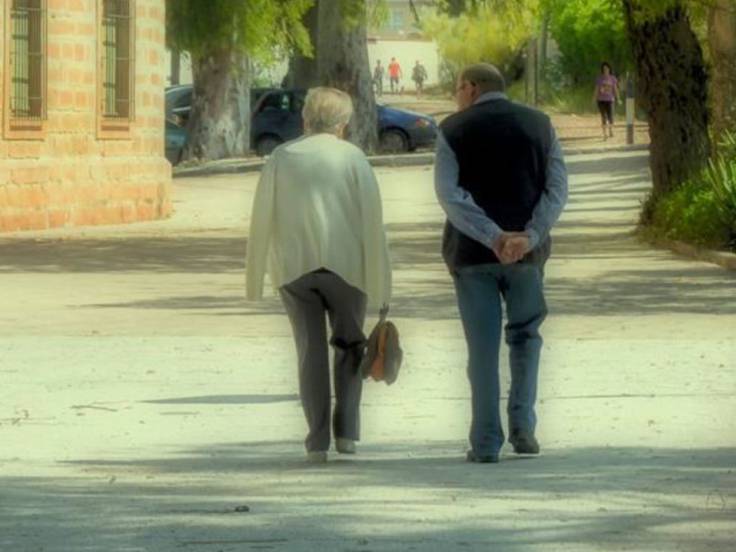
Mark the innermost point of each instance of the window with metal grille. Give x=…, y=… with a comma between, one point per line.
x=117, y=59
x=27, y=51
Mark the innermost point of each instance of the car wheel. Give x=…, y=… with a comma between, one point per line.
x=394, y=141
x=266, y=145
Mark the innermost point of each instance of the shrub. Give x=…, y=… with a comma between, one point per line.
x=691, y=214
x=721, y=178
x=703, y=210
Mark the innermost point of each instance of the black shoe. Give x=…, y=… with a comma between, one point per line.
x=484, y=459
x=524, y=442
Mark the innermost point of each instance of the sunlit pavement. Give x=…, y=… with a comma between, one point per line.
x=145, y=405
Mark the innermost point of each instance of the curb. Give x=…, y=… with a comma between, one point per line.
x=603, y=149
x=723, y=259
x=235, y=166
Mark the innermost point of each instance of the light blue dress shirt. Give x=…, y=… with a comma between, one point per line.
x=470, y=219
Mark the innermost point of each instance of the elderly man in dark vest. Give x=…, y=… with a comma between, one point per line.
x=501, y=179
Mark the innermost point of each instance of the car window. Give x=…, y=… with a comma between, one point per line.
x=278, y=101
x=185, y=100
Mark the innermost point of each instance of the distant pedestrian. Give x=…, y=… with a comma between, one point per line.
x=378, y=73
x=605, y=94
x=317, y=229
x=419, y=75
x=500, y=178
x=394, y=75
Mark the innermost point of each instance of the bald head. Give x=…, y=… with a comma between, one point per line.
x=485, y=76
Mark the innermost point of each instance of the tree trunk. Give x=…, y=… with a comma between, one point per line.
x=175, y=67
x=722, y=43
x=219, y=123
x=303, y=72
x=543, y=52
x=342, y=62
x=456, y=8
x=673, y=86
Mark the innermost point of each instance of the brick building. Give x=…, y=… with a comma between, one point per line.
x=82, y=113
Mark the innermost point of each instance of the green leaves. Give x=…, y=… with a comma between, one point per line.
x=491, y=31
x=720, y=174
x=703, y=210
x=589, y=32
x=262, y=28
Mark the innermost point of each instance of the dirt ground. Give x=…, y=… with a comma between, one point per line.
x=582, y=130
x=146, y=406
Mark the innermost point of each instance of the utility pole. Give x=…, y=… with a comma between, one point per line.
x=175, y=67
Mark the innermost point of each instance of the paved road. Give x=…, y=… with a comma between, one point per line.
x=143, y=400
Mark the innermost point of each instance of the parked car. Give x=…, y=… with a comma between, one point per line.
x=277, y=118
x=178, y=101
x=176, y=139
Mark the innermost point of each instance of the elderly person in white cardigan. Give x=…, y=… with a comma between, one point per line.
x=317, y=228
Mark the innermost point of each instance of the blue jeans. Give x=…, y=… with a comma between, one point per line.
x=479, y=292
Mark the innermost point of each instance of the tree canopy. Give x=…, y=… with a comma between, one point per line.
x=588, y=32
x=261, y=28
x=485, y=30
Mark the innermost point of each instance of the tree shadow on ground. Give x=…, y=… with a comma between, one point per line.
x=613, y=165
x=139, y=254
x=227, y=399
x=390, y=497
x=423, y=287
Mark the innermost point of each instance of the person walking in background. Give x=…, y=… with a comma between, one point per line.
x=378, y=72
x=419, y=75
x=394, y=75
x=317, y=222
x=605, y=93
x=500, y=177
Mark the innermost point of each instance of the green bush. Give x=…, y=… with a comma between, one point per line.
x=703, y=210
x=588, y=32
x=577, y=100
x=721, y=177
x=691, y=214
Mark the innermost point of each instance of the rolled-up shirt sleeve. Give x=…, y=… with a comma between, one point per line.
x=554, y=197
x=459, y=206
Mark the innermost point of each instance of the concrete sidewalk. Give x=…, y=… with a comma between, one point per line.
x=145, y=406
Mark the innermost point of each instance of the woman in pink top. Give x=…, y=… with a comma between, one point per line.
x=605, y=93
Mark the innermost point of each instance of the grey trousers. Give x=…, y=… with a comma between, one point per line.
x=306, y=300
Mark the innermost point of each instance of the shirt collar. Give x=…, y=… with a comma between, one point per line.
x=489, y=96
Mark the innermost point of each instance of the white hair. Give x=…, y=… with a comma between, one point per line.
x=326, y=110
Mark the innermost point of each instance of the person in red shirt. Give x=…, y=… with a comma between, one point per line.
x=394, y=75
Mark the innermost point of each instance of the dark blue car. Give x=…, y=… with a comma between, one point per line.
x=277, y=118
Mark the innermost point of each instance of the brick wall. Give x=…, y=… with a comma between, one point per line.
x=71, y=175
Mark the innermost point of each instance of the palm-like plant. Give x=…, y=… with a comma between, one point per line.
x=721, y=176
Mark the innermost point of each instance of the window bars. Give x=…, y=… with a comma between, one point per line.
x=27, y=61
x=117, y=60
